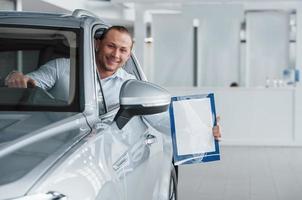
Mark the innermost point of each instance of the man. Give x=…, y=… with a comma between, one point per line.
x=113, y=49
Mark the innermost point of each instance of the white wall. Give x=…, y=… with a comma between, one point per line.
x=222, y=57
x=173, y=58
x=219, y=44
x=267, y=46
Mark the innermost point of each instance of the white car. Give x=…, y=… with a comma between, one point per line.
x=75, y=147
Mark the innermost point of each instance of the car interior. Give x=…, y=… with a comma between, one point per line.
x=27, y=51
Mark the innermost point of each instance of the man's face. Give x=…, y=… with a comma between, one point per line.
x=114, y=50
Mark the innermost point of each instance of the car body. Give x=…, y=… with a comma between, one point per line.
x=77, y=147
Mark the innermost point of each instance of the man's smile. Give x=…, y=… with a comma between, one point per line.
x=111, y=60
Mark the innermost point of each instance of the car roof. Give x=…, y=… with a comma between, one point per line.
x=75, y=20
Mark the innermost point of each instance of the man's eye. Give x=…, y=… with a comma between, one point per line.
x=110, y=45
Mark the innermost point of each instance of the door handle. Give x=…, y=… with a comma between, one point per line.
x=48, y=196
x=150, y=139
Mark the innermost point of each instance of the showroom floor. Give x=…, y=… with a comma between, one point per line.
x=245, y=173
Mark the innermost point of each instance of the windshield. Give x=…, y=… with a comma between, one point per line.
x=38, y=69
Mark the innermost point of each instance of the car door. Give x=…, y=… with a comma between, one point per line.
x=136, y=157
x=136, y=151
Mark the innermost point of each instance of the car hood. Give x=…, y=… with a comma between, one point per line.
x=31, y=142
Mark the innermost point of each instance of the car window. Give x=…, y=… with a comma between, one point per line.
x=49, y=57
x=131, y=67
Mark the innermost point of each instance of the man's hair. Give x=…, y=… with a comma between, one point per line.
x=120, y=29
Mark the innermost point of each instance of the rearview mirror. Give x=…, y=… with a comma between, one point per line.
x=140, y=98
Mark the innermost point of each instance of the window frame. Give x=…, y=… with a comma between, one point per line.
x=74, y=105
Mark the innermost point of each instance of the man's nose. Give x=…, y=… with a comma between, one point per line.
x=115, y=53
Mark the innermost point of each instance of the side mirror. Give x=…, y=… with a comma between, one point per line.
x=140, y=98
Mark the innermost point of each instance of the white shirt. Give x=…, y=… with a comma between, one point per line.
x=54, y=77
x=112, y=85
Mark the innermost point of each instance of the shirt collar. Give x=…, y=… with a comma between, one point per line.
x=118, y=74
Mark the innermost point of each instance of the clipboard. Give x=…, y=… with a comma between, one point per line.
x=192, y=118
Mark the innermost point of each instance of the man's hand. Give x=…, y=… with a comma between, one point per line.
x=216, y=130
x=19, y=80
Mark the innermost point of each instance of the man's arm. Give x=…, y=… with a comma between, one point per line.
x=45, y=77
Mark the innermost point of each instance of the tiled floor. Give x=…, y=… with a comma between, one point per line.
x=245, y=173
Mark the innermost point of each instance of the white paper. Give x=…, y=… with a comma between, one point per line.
x=193, y=125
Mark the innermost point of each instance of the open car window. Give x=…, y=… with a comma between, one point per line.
x=49, y=57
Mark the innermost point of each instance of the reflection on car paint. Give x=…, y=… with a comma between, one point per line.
x=136, y=155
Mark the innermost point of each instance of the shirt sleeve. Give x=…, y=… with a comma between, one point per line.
x=46, y=75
